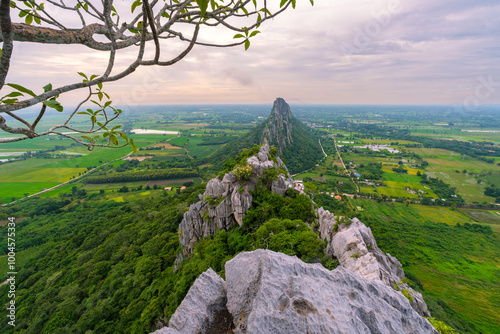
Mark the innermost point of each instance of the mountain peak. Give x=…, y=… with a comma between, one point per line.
x=281, y=108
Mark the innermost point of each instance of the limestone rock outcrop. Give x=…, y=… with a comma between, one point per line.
x=203, y=310
x=225, y=202
x=354, y=245
x=273, y=293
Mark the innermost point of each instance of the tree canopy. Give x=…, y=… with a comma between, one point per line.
x=148, y=26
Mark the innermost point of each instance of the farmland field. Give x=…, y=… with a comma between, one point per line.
x=30, y=176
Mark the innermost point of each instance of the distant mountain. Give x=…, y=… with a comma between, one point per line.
x=297, y=144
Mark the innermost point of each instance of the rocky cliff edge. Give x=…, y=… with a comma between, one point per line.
x=226, y=201
x=272, y=293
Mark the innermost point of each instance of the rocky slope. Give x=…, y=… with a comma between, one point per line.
x=296, y=143
x=268, y=292
x=354, y=245
x=226, y=200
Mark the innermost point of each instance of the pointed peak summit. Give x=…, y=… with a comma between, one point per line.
x=281, y=108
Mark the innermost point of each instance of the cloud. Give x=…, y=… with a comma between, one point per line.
x=343, y=51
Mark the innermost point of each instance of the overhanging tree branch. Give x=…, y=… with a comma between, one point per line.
x=148, y=21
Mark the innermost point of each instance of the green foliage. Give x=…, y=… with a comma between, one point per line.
x=266, y=205
x=292, y=237
x=96, y=266
x=408, y=295
x=441, y=327
x=243, y=172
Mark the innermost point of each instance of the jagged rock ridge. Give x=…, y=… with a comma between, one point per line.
x=273, y=293
x=225, y=202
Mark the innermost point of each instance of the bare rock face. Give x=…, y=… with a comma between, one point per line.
x=279, y=125
x=203, y=310
x=354, y=245
x=273, y=293
x=225, y=202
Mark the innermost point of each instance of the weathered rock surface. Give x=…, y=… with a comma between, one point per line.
x=203, y=310
x=356, y=250
x=269, y=292
x=225, y=202
x=279, y=125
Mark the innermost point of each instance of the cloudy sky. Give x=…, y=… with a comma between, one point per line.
x=337, y=52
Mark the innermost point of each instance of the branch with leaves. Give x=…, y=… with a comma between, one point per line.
x=134, y=27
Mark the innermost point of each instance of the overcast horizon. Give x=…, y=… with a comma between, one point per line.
x=343, y=52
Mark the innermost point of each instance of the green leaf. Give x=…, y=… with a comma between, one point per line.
x=53, y=104
x=93, y=76
x=113, y=139
x=10, y=101
x=37, y=20
x=203, y=4
x=255, y=32
x=23, y=13
x=124, y=136
x=165, y=14
x=107, y=104
x=29, y=19
x=12, y=4
x=294, y=3
x=21, y=89
x=283, y=2
x=312, y=2
x=116, y=127
x=83, y=113
x=139, y=25
x=134, y=148
x=100, y=95
x=244, y=10
x=47, y=88
x=239, y=36
x=136, y=4
x=99, y=85
x=247, y=44
x=27, y=3
x=83, y=75
x=13, y=94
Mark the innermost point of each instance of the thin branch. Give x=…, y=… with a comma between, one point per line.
x=40, y=115
x=147, y=8
x=18, y=119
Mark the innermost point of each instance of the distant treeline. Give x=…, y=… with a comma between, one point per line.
x=143, y=175
x=216, y=140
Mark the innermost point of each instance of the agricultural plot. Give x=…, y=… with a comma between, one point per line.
x=32, y=175
x=488, y=217
x=466, y=186
x=396, y=192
